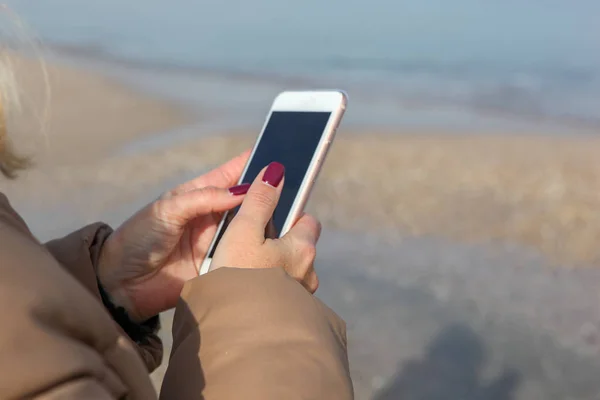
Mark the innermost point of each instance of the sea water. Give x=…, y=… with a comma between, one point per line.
x=534, y=59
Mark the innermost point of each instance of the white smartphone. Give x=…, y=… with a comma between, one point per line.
x=297, y=133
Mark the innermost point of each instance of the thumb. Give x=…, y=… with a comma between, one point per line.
x=260, y=202
x=180, y=209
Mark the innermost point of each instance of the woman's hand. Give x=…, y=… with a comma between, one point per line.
x=146, y=261
x=244, y=245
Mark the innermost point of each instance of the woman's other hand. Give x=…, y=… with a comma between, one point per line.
x=244, y=244
x=146, y=261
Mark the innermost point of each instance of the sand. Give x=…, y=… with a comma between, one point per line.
x=532, y=190
x=438, y=249
x=70, y=119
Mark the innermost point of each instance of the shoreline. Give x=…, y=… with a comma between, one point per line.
x=364, y=95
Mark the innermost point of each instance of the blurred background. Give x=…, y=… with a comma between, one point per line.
x=460, y=200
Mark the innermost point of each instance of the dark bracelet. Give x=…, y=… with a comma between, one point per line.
x=138, y=332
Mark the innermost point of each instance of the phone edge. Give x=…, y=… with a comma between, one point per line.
x=305, y=189
x=314, y=169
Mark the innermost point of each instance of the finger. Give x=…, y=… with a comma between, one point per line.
x=311, y=282
x=300, y=243
x=226, y=175
x=307, y=229
x=260, y=202
x=182, y=208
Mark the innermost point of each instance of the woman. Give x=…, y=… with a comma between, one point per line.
x=80, y=314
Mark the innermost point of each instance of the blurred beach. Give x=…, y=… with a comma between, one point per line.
x=460, y=199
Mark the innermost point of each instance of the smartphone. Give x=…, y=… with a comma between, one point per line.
x=297, y=133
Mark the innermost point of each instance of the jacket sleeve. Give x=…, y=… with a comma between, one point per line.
x=255, y=334
x=83, y=388
x=79, y=253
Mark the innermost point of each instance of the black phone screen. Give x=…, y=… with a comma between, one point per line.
x=291, y=138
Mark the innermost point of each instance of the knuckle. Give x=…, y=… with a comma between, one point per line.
x=314, y=286
x=318, y=225
x=308, y=252
x=311, y=219
x=174, y=193
x=312, y=224
x=209, y=191
x=167, y=195
x=158, y=207
x=227, y=175
x=262, y=199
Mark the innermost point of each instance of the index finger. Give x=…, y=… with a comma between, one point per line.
x=260, y=202
x=223, y=176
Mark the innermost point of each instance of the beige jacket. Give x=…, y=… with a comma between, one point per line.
x=238, y=334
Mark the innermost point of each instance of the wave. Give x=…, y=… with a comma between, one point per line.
x=563, y=94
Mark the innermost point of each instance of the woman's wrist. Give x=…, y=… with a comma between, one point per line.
x=138, y=331
x=119, y=298
x=111, y=284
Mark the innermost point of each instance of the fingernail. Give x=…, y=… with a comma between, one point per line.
x=239, y=189
x=273, y=174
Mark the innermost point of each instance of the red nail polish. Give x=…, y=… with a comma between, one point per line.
x=239, y=189
x=274, y=174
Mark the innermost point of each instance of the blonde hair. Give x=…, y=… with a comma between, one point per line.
x=16, y=31
x=10, y=162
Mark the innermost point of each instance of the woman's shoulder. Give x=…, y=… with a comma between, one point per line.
x=61, y=323
x=10, y=218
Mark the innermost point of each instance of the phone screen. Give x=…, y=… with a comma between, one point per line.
x=291, y=138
